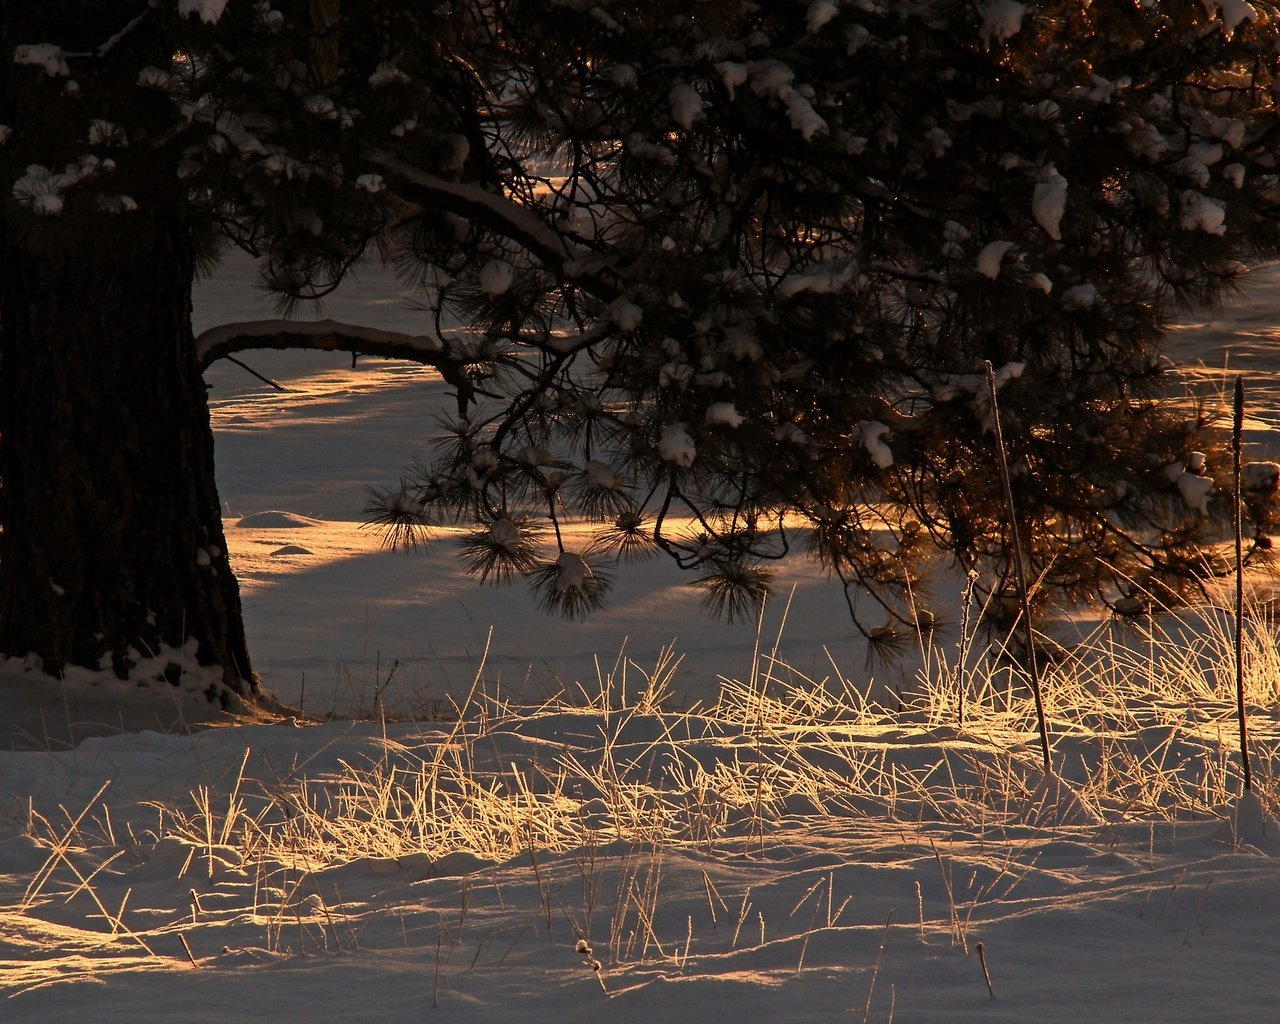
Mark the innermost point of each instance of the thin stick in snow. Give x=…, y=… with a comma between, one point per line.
x=1020, y=572
x=187, y=947
x=986, y=975
x=875, y=971
x=1237, y=432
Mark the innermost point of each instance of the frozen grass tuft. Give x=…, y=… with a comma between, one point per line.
x=596, y=792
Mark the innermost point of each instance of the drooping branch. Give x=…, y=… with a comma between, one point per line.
x=554, y=249
x=333, y=336
x=483, y=206
x=319, y=335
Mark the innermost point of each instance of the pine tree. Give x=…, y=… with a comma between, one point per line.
x=736, y=270
x=136, y=138
x=720, y=277
x=111, y=550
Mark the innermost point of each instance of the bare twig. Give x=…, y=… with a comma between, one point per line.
x=986, y=975
x=249, y=369
x=1020, y=571
x=187, y=947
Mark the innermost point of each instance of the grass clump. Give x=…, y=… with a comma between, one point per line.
x=602, y=792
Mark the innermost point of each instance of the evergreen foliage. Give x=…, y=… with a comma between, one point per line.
x=738, y=268
x=722, y=277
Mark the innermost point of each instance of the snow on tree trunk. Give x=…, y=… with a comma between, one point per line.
x=112, y=547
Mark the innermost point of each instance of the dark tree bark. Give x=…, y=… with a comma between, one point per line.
x=112, y=545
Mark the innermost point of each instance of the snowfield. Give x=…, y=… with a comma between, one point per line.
x=645, y=816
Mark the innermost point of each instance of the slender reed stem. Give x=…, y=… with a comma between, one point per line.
x=1020, y=571
x=986, y=975
x=1237, y=433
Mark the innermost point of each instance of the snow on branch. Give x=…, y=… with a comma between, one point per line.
x=319, y=335
x=498, y=213
x=116, y=39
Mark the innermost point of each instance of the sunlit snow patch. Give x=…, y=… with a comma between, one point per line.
x=276, y=520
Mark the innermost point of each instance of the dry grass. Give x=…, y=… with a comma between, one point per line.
x=1142, y=721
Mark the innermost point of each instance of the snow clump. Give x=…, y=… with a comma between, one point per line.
x=1001, y=20
x=870, y=434
x=804, y=119
x=626, y=315
x=601, y=475
x=44, y=55
x=572, y=572
x=951, y=385
x=820, y=12
x=789, y=433
x=387, y=74
x=106, y=133
x=1200, y=211
x=208, y=10
x=723, y=414
x=1233, y=12
x=119, y=203
x=1080, y=297
x=939, y=140
x=1195, y=491
x=152, y=77
x=732, y=75
x=1260, y=476
x=1230, y=130
x=1049, y=201
x=503, y=533
x=41, y=189
x=770, y=77
x=623, y=76
x=677, y=446
x=988, y=262
x=823, y=281
x=686, y=105
x=321, y=108
x=496, y=277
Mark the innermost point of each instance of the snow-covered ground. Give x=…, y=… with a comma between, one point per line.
x=344, y=609
x=773, y=850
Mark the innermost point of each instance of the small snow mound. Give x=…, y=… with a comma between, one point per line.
x=276, y=520
x=1249, y=823
x=291, y=549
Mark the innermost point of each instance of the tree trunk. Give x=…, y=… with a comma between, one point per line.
x=111, y=548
